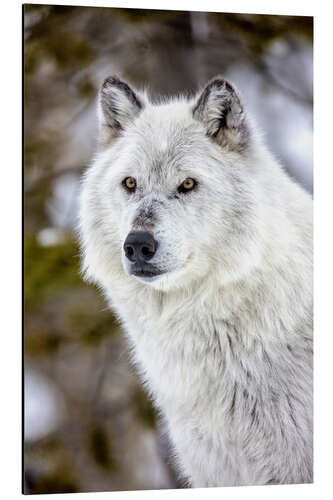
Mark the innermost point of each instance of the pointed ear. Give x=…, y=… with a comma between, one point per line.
x=118, y=106
x=220, y=110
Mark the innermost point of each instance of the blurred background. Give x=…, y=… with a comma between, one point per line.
x=88, y=424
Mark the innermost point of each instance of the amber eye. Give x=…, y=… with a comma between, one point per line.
x=129, y=183
x=187, y=185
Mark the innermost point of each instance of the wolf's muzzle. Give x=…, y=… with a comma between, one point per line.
x=139, y=248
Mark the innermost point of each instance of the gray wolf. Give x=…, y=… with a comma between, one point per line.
x=202, y=245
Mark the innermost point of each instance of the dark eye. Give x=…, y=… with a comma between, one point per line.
x=129, y=184
x=187, y=185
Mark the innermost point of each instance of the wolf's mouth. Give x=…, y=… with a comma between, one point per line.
x=145, y=271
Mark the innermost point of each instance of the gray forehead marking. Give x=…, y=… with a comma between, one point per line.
x=145, y=217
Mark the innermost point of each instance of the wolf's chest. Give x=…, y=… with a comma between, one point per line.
x=185, y=359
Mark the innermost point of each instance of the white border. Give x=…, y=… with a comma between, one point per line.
x=10, y=210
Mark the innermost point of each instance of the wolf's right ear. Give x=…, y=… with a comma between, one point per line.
x=118, y=106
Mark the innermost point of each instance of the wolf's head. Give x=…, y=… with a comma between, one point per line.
x=171, y=195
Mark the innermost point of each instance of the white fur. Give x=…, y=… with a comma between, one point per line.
x=222, y=339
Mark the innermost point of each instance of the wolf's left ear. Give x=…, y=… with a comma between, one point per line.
x=119, y=104
x=220, y=110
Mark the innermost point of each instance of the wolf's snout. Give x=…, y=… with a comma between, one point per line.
x=140, y=247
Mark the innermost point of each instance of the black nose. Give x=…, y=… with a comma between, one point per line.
x=140, y=247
